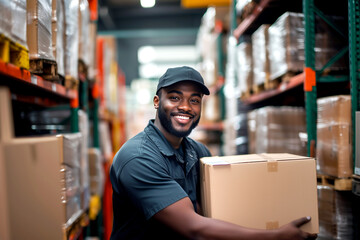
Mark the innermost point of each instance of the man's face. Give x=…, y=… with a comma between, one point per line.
x=179, y=108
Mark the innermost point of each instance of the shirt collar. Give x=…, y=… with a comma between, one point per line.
x=163, y=144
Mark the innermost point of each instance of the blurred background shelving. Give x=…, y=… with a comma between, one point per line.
x=78, y=81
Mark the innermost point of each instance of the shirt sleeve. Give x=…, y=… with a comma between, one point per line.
x=150, y=186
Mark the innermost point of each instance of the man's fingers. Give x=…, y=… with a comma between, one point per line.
x=301, y=221
x=312, y=236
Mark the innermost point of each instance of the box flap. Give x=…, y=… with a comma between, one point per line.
x=248, y=158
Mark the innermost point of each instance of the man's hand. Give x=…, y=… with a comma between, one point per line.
x=292, y=230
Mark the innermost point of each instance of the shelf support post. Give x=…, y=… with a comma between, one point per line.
x=354, y=39
x=310, y=76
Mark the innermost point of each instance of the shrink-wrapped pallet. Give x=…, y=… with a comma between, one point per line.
x=96, y=172
x=286, y=44
x=244, y=66
x=260, y=55
x=39, y=33
x=277, y=129
x=18, y=21
x=71, y=37
x=84, y=28
x=334, y=138
x=5, y=19
x=336, y=213
x=58, y=33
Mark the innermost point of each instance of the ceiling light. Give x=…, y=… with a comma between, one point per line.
x=147, y=3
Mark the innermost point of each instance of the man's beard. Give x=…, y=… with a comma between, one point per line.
x=167, y=124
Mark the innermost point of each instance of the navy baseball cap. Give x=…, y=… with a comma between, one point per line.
x=179, y=74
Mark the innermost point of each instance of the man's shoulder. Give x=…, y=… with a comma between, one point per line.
x=199, y=147
x=138, y=147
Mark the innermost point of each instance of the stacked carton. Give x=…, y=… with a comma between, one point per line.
x=286, y=44
x=336, y=213
x=18, y=21
x=244, y=65
x=39, y=33
x=334, y=139
x=42, y=178
x=84, y=29
x=276, y=130
x=260, y=55
x=5, y=20
x=71, y=38
x=58, y=32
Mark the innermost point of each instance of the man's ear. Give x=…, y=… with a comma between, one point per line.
x=156, y=101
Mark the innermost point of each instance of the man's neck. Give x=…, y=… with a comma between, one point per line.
x=173, y=140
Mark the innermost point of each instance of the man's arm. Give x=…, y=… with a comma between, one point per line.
x=181, y=217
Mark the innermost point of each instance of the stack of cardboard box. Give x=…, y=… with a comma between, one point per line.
x=334, y=138
x=42, y=178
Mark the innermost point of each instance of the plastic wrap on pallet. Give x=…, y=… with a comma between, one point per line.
x=286, y=44
x=39, y=34
x=328, y=42
x=92, y=51
x=71, y=174
x=84, y=162
x=334, y=138
x=84, y=40
x=5, y=19
x=245, y=7
x=336, y=213
x=260, y=55
x=18, y=23
x=244, y=66
x=96, y=172
x=58, y=41
x=71, y=37
x=276, y=130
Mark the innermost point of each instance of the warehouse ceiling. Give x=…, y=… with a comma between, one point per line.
x=129, y=15
x=165, y=24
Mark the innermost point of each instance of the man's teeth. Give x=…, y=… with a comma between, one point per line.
x=182, y=117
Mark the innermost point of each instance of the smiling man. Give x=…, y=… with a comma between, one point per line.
x=155, y=175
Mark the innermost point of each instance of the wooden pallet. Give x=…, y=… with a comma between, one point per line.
x=246, y=94
x=71, y=83
x=82, y=68
x=356, y=185
x=4, y=48
x=272, y=84
x=45, y=68
x=340, y=184
x=258, y=88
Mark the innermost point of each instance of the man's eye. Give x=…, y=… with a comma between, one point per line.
x=174, y=98
x=195, y=101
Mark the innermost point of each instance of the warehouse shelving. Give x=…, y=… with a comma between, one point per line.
x=310, y=76
x=354, y=49
x=23, y=76
x=318, y=82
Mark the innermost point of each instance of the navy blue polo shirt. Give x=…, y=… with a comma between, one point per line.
x=147, y=175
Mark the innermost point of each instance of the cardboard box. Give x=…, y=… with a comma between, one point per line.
x=32, y=180
x=357, y=142
x=334, y=136
x=6, y=116
x=41, y=182
x=263, y=191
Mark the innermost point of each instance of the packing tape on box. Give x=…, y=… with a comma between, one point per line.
x=272, y=164
x=272, y=225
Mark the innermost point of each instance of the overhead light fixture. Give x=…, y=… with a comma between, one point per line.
x=147, y=3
